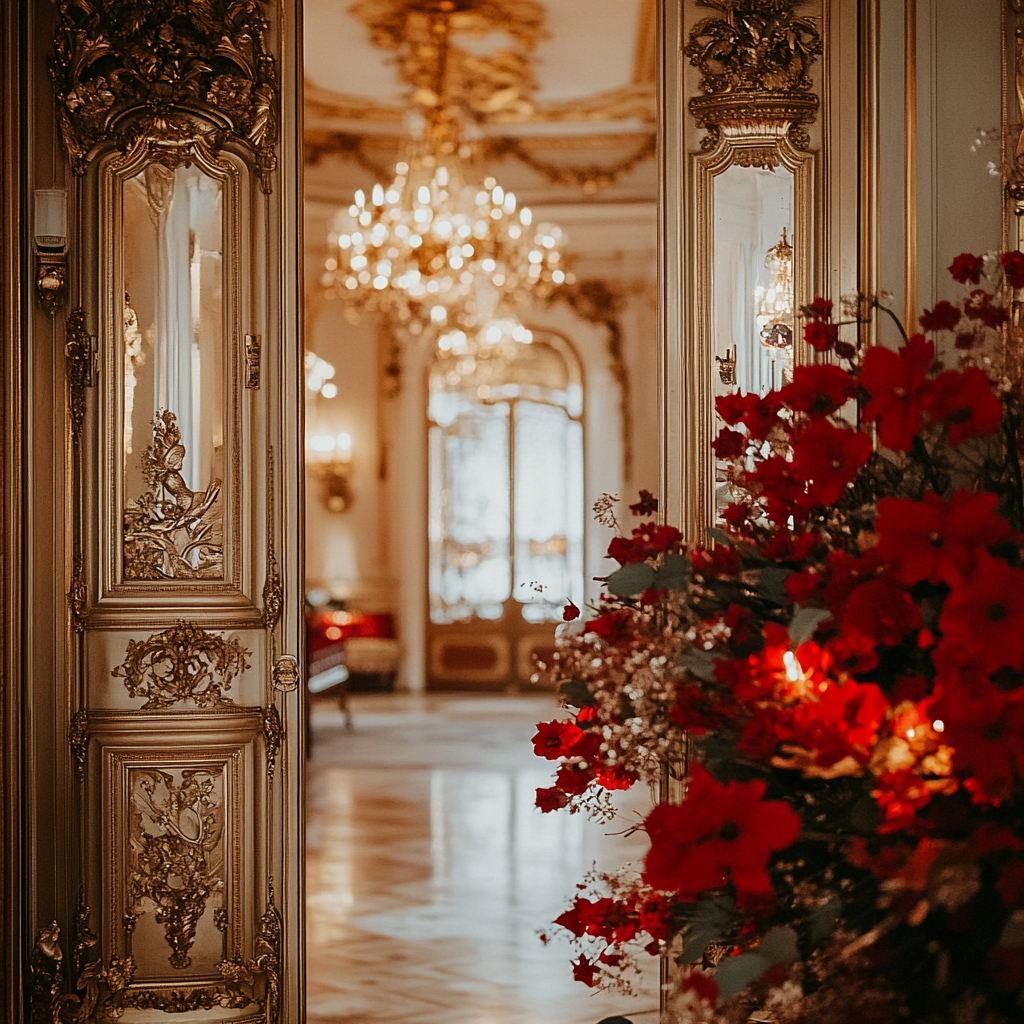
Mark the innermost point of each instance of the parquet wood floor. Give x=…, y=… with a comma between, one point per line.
x=429, y=873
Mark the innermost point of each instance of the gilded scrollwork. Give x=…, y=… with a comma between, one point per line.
x=260, y=974
x=177, y=857
x=170, y=71
x=78, y=355
x=272, y=733
x=78, y=740
x=183, y=663
x=46, y=972
x=77, y=595
x=172, y=532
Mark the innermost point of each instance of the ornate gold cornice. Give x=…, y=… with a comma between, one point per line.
x=754, y=61
x=166, y=70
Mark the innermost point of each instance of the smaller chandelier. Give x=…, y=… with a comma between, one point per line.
x=775, y=303
x=435, y=251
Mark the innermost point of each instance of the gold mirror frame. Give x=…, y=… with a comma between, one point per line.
x=117, y=593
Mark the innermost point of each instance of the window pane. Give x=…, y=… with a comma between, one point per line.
x=548, y=510
x=470, y=571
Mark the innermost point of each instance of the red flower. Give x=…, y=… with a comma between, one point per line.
x=585, y=970
x=819, y=309
x=936, y=540
x=646, y=506
x=721, y=833
x=697, y=711
x=979, y=306
x=826, y=458
x=967, y=268
x=982, y=621
x=615, y=776
x=897, y=383
x=964, y=400
x=763, y=415
x=734, y=406
x=573, y=778
x=702, y=985
x=1013, y=268
x=551, y=799
x=730, y=444
x=554, y=739
x=899, y=795
x=843, y=722
x=656, y=917
x=821, y=336
x=882, y=611
x=648, y=541
x=819, y=389
x=773, y=481
x=944, y=317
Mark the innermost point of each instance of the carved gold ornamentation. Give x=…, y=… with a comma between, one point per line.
x=755, y=62
x=172, y=532
x=260, y=974
x=78, y=356
x=46, y=972
x=177, y=856
x=77, y=595
x=273, y=589
x=78, y=739
x=51, y=280
x=167, y=71
x=286, y=673
x=182, y=663
x=272, y=733
x=252, y=361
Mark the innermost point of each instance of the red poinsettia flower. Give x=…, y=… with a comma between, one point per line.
x=551, y=799
x=982, y=621
x=964, y=400
x=966, y=267
x=979, y=306
x=936, y=540
x=585, y=970
x=819, y=389
x=555, y=739
x=897, y=383
x=826, y=458
x=1013, y=268
x=721, y=833
x=944, y=317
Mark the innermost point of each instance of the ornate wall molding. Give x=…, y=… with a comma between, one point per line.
x=78, y=357
x=169, y=71
x=172, y=532
x=183, y=663
x=273, y=589
x=754, y=60
x=260, y=974
x=273, y=730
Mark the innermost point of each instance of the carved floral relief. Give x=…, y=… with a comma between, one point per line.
x=176, y=859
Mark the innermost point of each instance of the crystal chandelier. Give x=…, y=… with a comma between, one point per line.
x=435, y=249
x=775, y=303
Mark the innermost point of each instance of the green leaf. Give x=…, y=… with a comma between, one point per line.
x=721, y=537
x=700, y=663
x=735, y=973
x=630, y=580
x=805, y=622
x=779, y=946
x=772, y=582
x=709, y=921
x=576, y=694
x=823, y=921
x=674, y=574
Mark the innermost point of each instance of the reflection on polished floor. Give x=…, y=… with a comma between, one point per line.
x=429, y=873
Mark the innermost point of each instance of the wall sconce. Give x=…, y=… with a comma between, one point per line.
x=51, y=237
x=329, y=459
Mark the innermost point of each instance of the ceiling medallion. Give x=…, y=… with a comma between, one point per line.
x=754, y=61
x=168, y=71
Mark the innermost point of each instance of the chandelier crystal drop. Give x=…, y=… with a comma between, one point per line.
x=775, y=303
x=436, y=251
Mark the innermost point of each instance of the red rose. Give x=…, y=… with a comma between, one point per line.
x=1013, y=268
x=944, y=317
x=720, y=833
x=819, y=390
x=897, y=383
x=554, y=739
x=826, y=458
x=963, y=399
x=966, y=267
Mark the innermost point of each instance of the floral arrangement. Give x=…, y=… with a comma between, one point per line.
x=837, y=679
